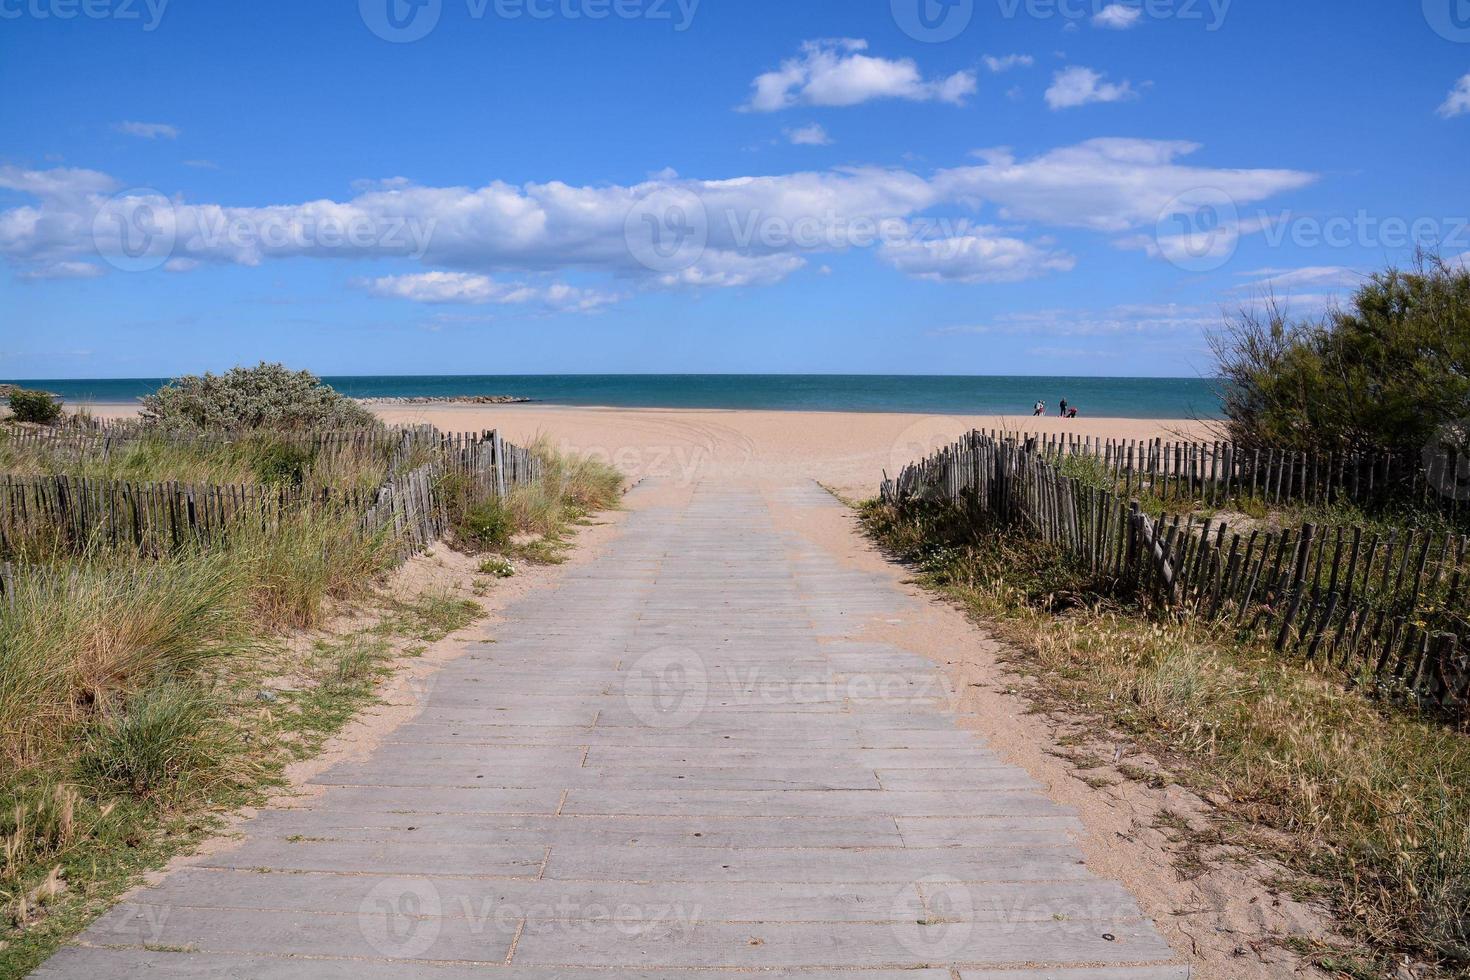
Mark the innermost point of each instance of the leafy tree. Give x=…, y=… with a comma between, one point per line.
x=1391, y=371
x=34, y=406
x=264, y=397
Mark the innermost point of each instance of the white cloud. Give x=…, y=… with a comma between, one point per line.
x=1122, y=320
x=1078, y=86
x=1312, y=277
x=148, y=131
x=61, y=182
x=1458, y=102
x=1305, y=291
x=753, y=230
x=1109, y=185
x=1117, y=17
x=811, y=135
x=982, y=256
x=1007, y=62
x=65, y=270
x=1071, y=354
x=838, y=73
x=477, y=290
x=726, y=270
x=202, y=164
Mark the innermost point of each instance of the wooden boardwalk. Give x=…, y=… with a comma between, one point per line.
x=677, y=764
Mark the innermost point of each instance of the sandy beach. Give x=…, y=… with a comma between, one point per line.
x=847, y=451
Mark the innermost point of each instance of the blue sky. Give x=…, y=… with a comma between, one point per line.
x=549, y=186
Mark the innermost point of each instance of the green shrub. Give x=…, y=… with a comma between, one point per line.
x=34, y=406
x=266, y=396
x=1388, y=372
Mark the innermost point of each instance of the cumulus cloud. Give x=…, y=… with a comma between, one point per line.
x=1458, y=102
x=148, y=131
x=475, y=244
x=838, y=73
x=478, y=290
x=1117, y=17
x=1007, y=62
x=1078, y=86
x=811, y=135
x=982, y=256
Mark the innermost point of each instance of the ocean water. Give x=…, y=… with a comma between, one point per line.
x=1142, y=398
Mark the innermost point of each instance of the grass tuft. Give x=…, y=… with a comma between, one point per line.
x=168, y=739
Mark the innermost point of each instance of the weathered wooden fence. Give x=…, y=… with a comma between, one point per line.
x=152, y=518
x=157, y=518
x=1218, y=472
x=78, y=444
x=1389, y=607
x=412, y=506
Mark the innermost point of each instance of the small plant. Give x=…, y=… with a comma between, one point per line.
x=38, y=407
x=497, y=566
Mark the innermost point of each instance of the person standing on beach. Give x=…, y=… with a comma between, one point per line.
x=1040, y=408
x=1063, y=413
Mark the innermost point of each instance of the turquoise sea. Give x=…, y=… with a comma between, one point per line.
x=1143, y=398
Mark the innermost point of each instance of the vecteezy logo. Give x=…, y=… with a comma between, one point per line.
x=943, y=928
x=400, y=917
x=1449, y=18
x=933, y=21
x=667, y=230
x=135, y=231
x=401, y=21
x=1199, y=230
x=667, y=688
x=923, y=439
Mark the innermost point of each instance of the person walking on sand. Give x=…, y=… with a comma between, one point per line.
x=1063, y=413
x=1040, y=409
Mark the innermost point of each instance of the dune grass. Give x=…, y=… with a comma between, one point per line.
x=1367, y=807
